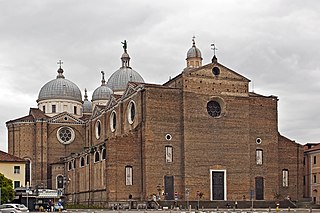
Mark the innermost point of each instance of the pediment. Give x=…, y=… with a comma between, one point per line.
x=112, y=102
x=224, y=72
x=131, y=89
x=97, y=111
x=65, y=118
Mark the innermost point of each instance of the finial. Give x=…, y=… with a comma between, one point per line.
x=60, y=70
x=213, y=47
x=103, y=81
x=124, y=45
x=60, y=62
x=85, y=94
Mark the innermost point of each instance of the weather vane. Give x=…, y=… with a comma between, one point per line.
x=213, y=47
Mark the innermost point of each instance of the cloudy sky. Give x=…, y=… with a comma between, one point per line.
x=274, y=43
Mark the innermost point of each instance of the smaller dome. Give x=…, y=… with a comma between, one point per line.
x=193, y=52
x=87, y=105
x=103, y=92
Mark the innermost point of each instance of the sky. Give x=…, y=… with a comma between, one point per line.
x=274, y=43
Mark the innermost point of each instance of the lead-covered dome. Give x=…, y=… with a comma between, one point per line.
x=103, y=92
x=194, y=52
x=119, y=79
x=60, y=88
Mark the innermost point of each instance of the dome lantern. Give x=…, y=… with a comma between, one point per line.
x=194, y=58
x=87, y=105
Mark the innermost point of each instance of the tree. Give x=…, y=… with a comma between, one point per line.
x=7, y=191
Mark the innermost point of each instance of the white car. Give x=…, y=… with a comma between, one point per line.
x=13, y=208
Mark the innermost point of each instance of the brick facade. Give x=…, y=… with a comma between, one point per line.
x=213, y=155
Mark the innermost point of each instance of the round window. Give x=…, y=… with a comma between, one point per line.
x=258, y=140
x=65, y=135
x=214, y=108
x=113, y=121
x=131, y=112
x=98, y=129
x=168, y=137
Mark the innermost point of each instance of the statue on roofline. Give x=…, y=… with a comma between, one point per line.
x=124, y=45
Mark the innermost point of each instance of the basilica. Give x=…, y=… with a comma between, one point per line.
x=202, y=133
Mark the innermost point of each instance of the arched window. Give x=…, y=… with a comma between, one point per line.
x=98, y=129
x=285, y=178
x=131, y=112
x=28, y=172
x=69, y=165
x=59, y=182
x=104, y=154
x=169, y=154
x=113, y=121
x=74, y=163
x=128, y=180
x=88, y=160
x=82, y=162
x=96, y=157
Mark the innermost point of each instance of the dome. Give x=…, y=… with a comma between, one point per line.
x=87, y=105
x=103, y=92
x=119, y=79
x=60, y=88
x=194, y=52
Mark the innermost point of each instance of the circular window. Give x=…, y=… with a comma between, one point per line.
x=216, y=71
x=113, y=121
x=131, y=112
x=65, y=135
x=98, y=129
x=168, y=137
x=214, y=108
x=258, y=140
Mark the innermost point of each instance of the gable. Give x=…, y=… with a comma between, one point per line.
x=97, y=111
x=212, y=79
x=224, y=72
x=65, y=118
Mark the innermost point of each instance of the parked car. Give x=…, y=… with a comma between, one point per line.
x=13, y=208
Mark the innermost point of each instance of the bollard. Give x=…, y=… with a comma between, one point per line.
x=289, y=209
x=269, y=209
x=310, y=209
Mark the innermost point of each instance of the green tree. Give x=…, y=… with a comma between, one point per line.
x=7, y=191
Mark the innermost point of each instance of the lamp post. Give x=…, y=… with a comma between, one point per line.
x=27, y=191
x=187, y=197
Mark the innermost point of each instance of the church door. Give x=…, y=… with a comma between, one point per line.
x=217, y=185
x=169, y=187
x=259, y=188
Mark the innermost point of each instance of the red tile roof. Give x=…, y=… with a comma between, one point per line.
x=6, y=157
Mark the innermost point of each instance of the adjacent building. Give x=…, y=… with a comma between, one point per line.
x=202, y=132
x=311, y=179
x=13, y=168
